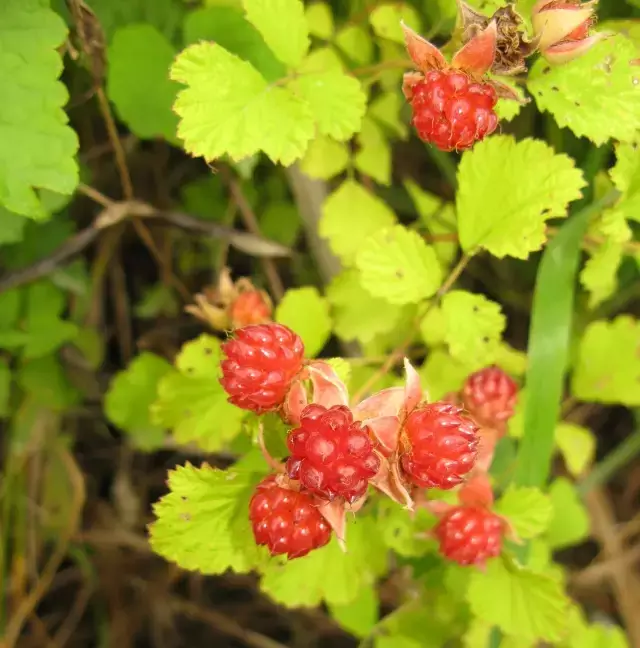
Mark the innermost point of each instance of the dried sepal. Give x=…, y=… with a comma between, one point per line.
x=328, y=389
x=505, y=91
x=513, y=45
x=477, y=55
x=424, y=54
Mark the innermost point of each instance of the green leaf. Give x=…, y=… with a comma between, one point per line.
x=626, y=177
x=202, y=523
x=596, y=378
x=594, y=95
x=433, y=327
x=569, y=523
x=474, y=327
x=336, y=99
x=46, y=384
x=385, y=20
x=283, y=26
x=356, y=43
x=306, y=312
x=280, y=221
x=503, y=207
x=518, y=601
x=361, y=615
x=228, y=107
x=45, y=331
x=374, y=153
x=404, y=532
x=11, y=226
x=191, y=400
x=5, y=389
x=320, y=20
x=599, y=277
x=325, y=158
x=131, y=394
x=230, y=29
x=386, y=109
x=397, y=265
x=598, y=636
x=138, y=81
x=507, y=109
x=352, y=208
x=577, y=445
x=527, y=509
x=357, y=314
x=438, y=217
x=164, y=15
x=304, y=581
x=441, y=373
x=38, y=146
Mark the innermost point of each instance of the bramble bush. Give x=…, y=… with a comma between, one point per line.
x=379, y=413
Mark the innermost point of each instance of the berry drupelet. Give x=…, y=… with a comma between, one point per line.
x=490, y=396
x=286, y=521
x=331, y=454
x=451, y=111
x=469, y=535
x=261, y=363
x=438, y=446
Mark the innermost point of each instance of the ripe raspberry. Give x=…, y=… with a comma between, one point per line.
x=469, y=535
x=490, y=396
x=261, y=363
x=286, y=521
x=331, y=454
x=250, y=307
x=439, y=446
x=451, y=111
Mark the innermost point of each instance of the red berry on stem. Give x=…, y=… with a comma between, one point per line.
x=286, y=521
x=469, y=535
x=490, y=396
x=439, y=446
x=261, y=363
x=451, y=111
x=331, y=454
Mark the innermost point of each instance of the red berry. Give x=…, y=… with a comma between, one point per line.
x=331, y=454
x=469, y=535
x=261, y=363
x=439, y=446
x=250, y=307
x=451, y=111
x=285, y=521
x=490, y=396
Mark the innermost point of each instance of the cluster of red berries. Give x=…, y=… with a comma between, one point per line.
x=334, y=457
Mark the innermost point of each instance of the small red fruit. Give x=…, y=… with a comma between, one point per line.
x=470, y=535
x=286, y=521
x=262, y=362
x=451, y=111
x=439, y=446
x=490, y=396
x=331, y=454
x=250, y=307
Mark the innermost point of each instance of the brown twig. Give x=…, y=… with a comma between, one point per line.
x=625, y=583
x=29, y=603
x=224, y=624
x=113, y=214
x=251, y=222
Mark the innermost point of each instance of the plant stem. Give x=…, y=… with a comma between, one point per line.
x=603, y=471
